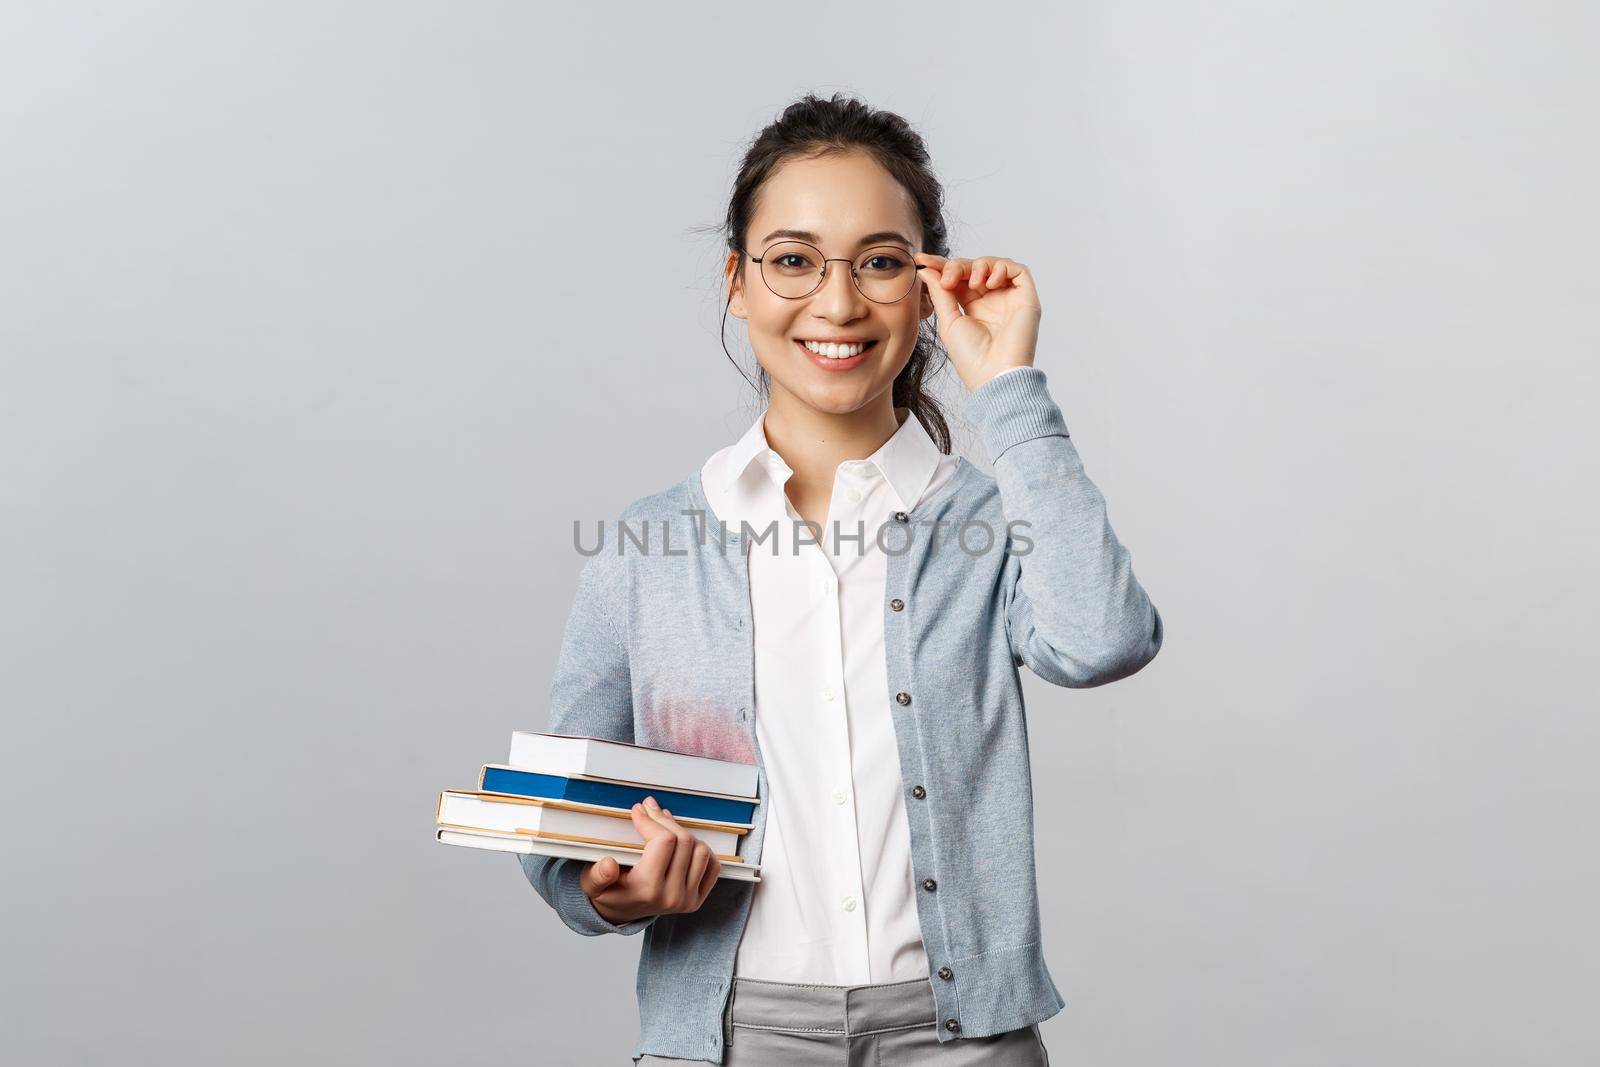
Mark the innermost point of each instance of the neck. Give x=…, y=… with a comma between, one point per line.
x=813, y=443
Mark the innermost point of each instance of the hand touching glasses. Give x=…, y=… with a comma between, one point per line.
x=987, y=311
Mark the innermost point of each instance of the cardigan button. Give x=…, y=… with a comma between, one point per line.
x=897, y=604
x=951, y=1025
x=946, y=973
x=902, y=698
x=918, y=792
x=929, y=884
x=899, y=516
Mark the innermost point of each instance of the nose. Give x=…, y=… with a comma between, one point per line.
x=838, y=299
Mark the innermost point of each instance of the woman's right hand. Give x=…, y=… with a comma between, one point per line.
x=675, y=874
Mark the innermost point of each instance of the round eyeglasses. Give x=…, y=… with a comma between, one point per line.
x=884, y=274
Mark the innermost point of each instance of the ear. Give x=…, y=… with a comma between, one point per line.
x=732, y=280
x=925, y=301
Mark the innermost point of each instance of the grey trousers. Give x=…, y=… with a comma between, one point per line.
x=781, y=1024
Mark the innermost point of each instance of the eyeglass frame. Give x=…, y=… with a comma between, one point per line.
x=822, y=277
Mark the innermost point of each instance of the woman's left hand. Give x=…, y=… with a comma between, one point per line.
x=988, y=313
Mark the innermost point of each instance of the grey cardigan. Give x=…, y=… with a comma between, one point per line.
x=660, y=628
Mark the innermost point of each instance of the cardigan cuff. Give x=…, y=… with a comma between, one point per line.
x=1012, y=407
x=574, y=904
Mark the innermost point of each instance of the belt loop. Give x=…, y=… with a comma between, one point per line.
x=727, y=1015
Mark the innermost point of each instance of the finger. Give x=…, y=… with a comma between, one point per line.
x=1022, y=278
x=944, y=303
x=646, y=823
x=999, y=274
x=678, y=870
x=594, y=878
x=682, y=850
x=930, y=259
x=659, y=815
x=976, y=271
x=952, y=272
x=649, y=874
x=697, y=875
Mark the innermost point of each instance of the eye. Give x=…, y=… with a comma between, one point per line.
x=882, y=261
x=792, y=260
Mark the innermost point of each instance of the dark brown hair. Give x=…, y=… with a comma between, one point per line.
x=812, y=127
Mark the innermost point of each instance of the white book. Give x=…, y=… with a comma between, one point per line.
x=545, y=846
x=603, y=758
x=568, y=820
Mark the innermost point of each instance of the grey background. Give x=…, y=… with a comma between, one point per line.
x=312, y=347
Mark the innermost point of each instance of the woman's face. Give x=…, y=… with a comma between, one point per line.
x=840, y=200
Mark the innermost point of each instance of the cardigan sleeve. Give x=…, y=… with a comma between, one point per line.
x=1074, y=612
x=591, y=695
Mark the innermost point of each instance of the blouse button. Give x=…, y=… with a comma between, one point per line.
x=918, y=792
x=897, y=604
x=946, y=973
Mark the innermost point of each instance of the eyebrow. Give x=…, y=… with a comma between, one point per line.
x=807, y=235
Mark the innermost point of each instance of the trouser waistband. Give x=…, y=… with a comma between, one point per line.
x=849, y=1011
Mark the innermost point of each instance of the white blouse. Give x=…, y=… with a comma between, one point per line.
x=835, y=904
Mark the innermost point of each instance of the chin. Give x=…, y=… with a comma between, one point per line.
x=841, y=399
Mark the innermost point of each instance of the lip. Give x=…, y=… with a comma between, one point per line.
x=839, y=364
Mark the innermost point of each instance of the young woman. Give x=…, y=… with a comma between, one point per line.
x=839, y=599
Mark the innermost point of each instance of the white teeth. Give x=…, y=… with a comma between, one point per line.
x=834, y=351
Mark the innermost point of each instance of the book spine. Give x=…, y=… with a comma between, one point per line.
x=616, y=795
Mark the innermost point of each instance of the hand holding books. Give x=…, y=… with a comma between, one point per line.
x=583, y=798
x=675, y=874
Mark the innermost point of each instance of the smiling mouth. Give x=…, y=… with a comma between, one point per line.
x=836, y=351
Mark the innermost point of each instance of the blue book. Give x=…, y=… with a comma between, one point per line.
x=612, y=794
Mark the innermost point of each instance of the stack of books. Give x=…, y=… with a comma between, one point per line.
x=563, y=795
